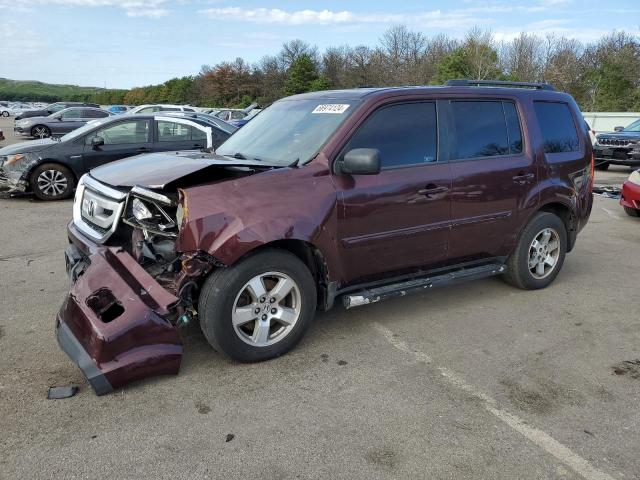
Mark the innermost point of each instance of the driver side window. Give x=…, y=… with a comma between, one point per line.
x=136, y=131
x=73, y=113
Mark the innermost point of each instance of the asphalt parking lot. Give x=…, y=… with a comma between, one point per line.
x=476, y=381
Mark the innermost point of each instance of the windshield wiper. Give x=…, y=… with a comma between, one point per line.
x=239, y=156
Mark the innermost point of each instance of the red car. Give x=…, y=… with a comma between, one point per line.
x=630, y=199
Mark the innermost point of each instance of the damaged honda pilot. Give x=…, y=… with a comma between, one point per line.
x=357, y=194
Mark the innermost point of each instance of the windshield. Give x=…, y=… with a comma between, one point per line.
x=634, y=127
x=288, y=130
x=78, y=132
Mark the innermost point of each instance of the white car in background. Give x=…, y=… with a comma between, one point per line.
x=13, y=109
x=161, y=107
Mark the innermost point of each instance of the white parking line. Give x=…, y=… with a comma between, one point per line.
x=541, y=439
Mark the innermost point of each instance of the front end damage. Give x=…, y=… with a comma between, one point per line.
x=119, y=321
x=115, y=321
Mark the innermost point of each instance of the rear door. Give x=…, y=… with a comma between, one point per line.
x=121, y=139
x=179, y=135
x=397, y=220
x=494, y=177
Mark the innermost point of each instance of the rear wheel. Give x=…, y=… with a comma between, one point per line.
x=51, y=181
x=40, y=131
x=540, y=253
x=5, y=114
x=258, y=309
x=632, y=212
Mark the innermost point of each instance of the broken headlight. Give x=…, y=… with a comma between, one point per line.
x=151, y=211
x=140, y=210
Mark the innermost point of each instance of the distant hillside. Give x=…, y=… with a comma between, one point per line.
x=32, y=91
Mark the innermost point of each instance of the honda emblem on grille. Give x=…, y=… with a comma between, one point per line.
x=89, y=207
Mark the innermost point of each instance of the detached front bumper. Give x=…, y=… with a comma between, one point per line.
x=630, y=195
x=113, y=323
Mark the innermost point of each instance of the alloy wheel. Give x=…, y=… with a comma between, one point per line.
x=266, y=309
x=40, y=132
x=544, y=252
x=52, y=182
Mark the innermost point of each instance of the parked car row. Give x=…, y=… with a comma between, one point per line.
x=51, y=167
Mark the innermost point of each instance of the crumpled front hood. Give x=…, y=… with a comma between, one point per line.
x=157, y=170
x=26, y=147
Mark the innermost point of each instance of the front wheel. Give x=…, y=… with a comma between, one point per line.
x=540, y=253
x=51, y=181
x=259, y=308
x=40, y=131
x=632, y=212
x=5, y=114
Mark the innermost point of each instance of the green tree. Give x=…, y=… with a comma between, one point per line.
x=301, y=75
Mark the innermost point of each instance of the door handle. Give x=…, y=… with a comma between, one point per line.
x=143, y=149
x=522, y=177
x=198, y=145
x=432, y=189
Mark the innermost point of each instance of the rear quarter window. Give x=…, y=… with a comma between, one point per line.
x=558, y=129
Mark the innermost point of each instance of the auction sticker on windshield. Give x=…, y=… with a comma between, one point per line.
x=331, y=108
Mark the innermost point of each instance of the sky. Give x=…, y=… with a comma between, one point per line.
x=127, y=43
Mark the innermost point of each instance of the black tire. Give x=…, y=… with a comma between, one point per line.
x=602, y=165
x=52, y=192
x=223, y=286
x=5, y=114
x=40, y=131
x=632, y=212
x=518, y=273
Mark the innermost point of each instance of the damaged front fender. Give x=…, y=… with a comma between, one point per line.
x=115, y=321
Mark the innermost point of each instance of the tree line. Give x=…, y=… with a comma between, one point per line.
x=603, y=75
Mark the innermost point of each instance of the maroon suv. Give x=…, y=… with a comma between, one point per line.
x=356, y=194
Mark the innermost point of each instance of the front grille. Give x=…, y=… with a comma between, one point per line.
x=615, y=142
x=97, y=209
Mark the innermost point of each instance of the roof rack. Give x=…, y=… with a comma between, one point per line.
x=498, y=83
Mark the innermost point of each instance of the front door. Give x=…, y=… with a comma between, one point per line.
x=122, y=139
x=67, y=120
x=494, y=175
x=396, y=221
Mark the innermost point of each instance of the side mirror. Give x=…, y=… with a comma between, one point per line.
x=361, y=161
x=59, y=119
x=618, y=129
x=97, y=142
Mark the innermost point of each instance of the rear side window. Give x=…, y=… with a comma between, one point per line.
x=481, y=130
x=559, y=132
x=405, y=134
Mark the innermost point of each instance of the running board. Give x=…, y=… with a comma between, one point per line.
x=400, y=289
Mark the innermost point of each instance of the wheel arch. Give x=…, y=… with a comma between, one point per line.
x=313, y=258
x=566, y=213
x=29, y=172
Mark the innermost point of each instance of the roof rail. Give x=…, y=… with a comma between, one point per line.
x=498, y=83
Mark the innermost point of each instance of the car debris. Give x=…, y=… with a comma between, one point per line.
x=607, y=191
x=56, y=393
